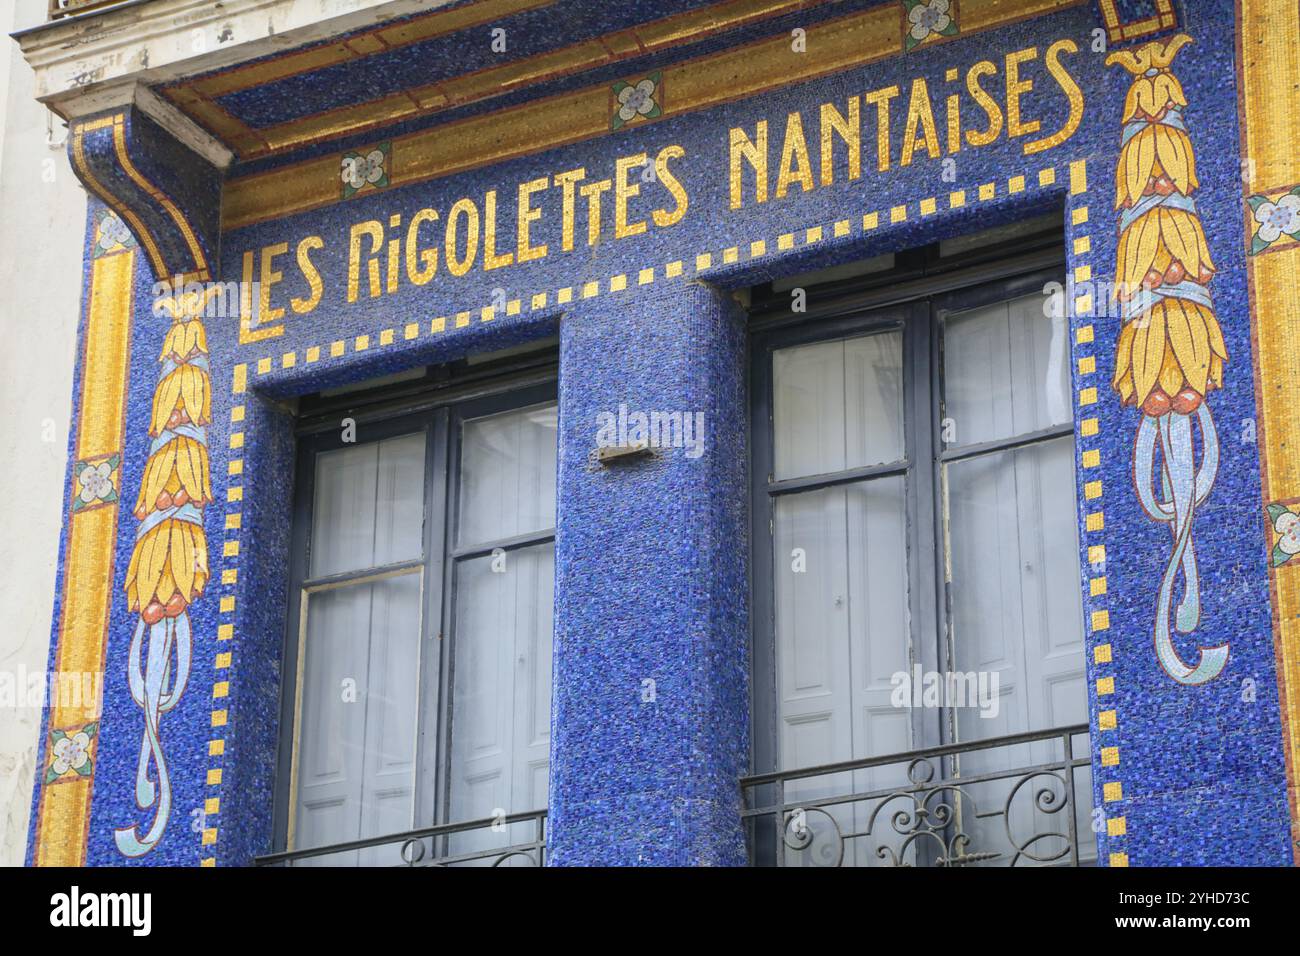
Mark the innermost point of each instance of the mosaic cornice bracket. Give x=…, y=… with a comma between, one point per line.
x=167, y=197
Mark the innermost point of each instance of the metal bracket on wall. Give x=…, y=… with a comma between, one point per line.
x=622, y=454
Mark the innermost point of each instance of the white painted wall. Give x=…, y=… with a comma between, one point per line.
x=41, y=235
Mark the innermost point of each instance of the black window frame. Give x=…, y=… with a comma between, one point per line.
x=437, y=404
x=916, y=295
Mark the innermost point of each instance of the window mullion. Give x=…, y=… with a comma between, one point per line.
x=513, y=543
x=291, y=647
x=928, y=632
x=365, y=576
x=434, y=652
x=961, y=453
x=788, y=486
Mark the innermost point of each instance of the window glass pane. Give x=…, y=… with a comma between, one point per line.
x=1006, y=371
x=501, y=704
x=838, y=405
x=355, y=773
x=1017, y=619
x=507, y=475
x=1016, y=603
x=369, y=508
x=841, y=635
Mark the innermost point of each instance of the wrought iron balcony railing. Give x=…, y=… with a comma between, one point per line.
x=515, y=840
x=1019, y=800
x=66, y=8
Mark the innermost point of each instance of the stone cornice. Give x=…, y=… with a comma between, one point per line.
x=85, y=64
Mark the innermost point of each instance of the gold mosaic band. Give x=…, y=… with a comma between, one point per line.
x=199, y=98
x=841, y=44
x=1269, y=63
x=63, y=813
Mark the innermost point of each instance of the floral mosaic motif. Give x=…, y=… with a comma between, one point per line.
x=111, y=235
x=637, y=100
x=367, y=169
x=1277, y=220
x=96, y=482
x=168, y=570
x=1170, y=352
x=1286, y=525
x=928, y=19
x=70, y=753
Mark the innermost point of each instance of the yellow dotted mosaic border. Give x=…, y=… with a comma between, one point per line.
x=1089, y=426
x=687, y=267
x=1098, y=642
x=233, y=525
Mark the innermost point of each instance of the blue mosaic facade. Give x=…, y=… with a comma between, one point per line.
x=652, y=576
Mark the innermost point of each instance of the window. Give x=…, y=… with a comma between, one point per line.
x=914, y=517
x=418, y=661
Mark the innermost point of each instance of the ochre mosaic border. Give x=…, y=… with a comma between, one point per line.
x=198, y=98
x=63, y=808
x=1268, y=64
x=843, y=43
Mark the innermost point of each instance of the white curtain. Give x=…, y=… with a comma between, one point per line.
x=1016, y=605
x=357, y=722
x=841, y=577
x=501, y=698
x=838, y=405
x=358, y=700
x=1010, y=558
x=369, y=507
